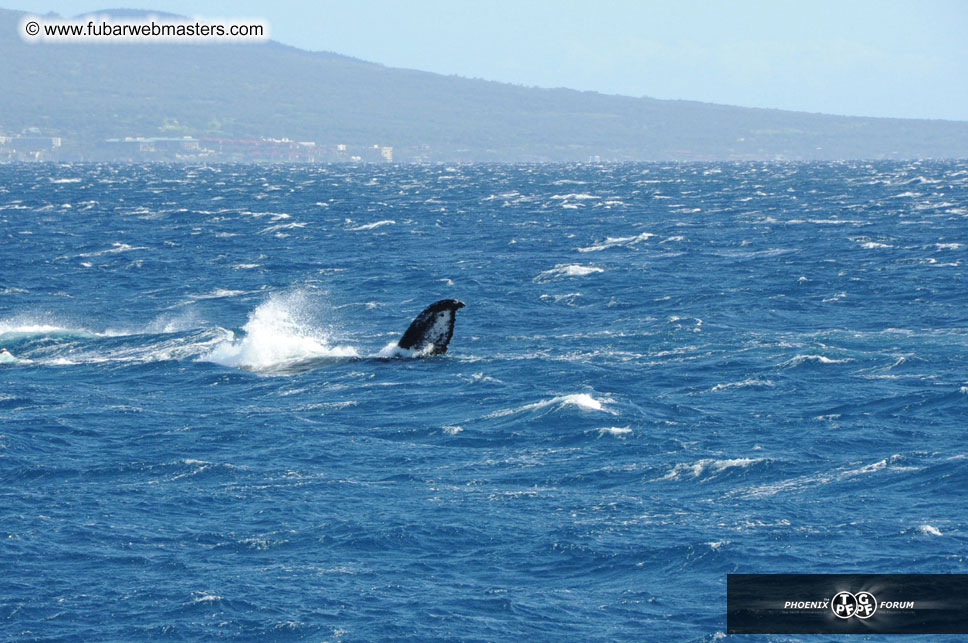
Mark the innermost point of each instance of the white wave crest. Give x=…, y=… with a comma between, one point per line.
x=895, y=463
x=612, y=242
x=575, y=197
x=616, y=431
x=115, y=248
x=370, y=226
x=283, y=226
x=817, y=359
x=583, y=401
x=708, y=466
x=568, y=270
x=750, y=383
x=24, y=327
x=218, y=293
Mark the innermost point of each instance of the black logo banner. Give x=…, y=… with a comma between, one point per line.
x=847, y=603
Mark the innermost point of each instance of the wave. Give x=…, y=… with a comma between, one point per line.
x=106, y=348
x=896, y=463
x=615, y=431
x=164, y=324
x=278, y=334
x=25, y=327
x=612, y=242
x=575, y=196
x=583, y=401
x=799, y=360
x=115, y=248
x=19, y=329
x=282, y=226
x=371, y=226
x=567, y=270
x=750, y=383
x=708, y=467
x=219, y=293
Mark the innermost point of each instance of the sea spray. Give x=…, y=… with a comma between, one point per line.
x=279, y=331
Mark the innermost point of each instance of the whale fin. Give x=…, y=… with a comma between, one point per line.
x=430, y=332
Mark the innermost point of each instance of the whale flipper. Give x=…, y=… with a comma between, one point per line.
x=430, y=332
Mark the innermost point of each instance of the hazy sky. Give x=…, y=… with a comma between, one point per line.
x=858, y=57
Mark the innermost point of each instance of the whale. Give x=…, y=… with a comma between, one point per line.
x=431, y=331
x=429, y=334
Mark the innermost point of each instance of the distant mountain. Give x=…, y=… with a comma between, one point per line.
x=86, y=93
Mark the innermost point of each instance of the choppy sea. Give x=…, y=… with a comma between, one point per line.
x=664, y=373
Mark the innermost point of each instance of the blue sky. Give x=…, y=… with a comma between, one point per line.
x=891, y=58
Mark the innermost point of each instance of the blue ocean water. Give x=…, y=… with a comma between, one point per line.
x=664, y=374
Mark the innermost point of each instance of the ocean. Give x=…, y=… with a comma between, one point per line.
x=664, y=374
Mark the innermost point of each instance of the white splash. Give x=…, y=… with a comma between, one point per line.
x=278, y=333
x=393, y=351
